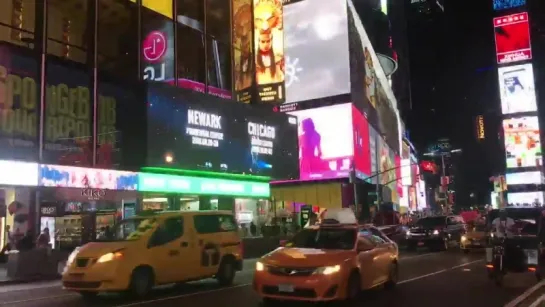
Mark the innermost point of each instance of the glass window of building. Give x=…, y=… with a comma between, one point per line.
x=68, y=29
x=68, y=133
x=117, y=39
x=218, y=32
x=190, y=39
x=19, y=102
x=17, y=19
x=120, y=104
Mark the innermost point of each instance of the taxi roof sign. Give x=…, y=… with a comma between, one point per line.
x=339, y=216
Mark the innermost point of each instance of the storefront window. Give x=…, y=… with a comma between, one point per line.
x=117, y=37
x=68, y=30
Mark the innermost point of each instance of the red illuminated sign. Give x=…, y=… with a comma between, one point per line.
x=428, y=166
x=154, y=46
x=512, y=38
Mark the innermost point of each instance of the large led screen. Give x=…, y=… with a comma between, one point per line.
x=362, y=152
x=525, y=198
x=517, y=90
x=507, y=4
x=326, y=145
x=316, y=49
x=522, y=142
x=512, y=38
x=190, y=130
x=374, y=150
x=269, y=51
x=524, y=178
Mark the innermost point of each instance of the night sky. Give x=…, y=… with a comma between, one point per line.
x=453, y=78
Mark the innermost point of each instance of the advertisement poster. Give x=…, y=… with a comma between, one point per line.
x=200, y=132
x=387, y=166
x=522, y=142
x=87, y=178
x=387, y=120
x=398, y=182
x=269, y=51
x=243, y=63
x=326, y=145
x=508, y=4
x=517, y=89
x=525, y=198
x=512, y=34
x=362, y=152
x=317, y=54
x=524, y=178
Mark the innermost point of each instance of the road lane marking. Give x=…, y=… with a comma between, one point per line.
x=438, y=272
x=418, y=256
x=246, y=285
x=525, y=295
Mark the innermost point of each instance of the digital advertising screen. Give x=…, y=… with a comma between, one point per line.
x=374, y=150
x=522, y=142
x=243, y=59
x=80, y=177
x=507, y=4
x=406, y=172
x=326, y=145
x=189, y=130
x=524, y=178
x=517, y=89
x=387, y=167
x=512, y=35
x=157, y=53
x=362, y=152
x=525, y=198
x=316, y=49
x=269, y=51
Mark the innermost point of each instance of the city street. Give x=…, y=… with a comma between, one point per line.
x=426, y=279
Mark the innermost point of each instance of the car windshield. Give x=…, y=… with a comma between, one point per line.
x=431, y=221
x=324, y=238
x=130, y=229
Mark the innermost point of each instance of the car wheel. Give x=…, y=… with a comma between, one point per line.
x=142, y=281
x=498, y=279
x=226, y=273
x=393, y=276
x=353, y=288
x=87, y=295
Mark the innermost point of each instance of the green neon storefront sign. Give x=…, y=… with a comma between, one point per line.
x=148, y=182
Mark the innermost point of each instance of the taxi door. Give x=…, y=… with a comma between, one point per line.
x=167, y=247
x=209, y=239
x=386, y=250
x=369, y=261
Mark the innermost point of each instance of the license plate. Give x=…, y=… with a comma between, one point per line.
x=76, y=276
x=285, y=288
x=420, y=243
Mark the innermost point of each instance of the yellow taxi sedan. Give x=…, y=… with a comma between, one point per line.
x=475, y=238
x=333, y=261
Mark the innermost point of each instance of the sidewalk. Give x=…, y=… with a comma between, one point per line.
x=5, y=280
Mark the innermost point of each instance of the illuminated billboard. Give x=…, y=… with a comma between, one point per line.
x=512, y=35
x=406, y=172
x=524, y=178
x=327, y=142
x=317, y=54
x=525, y=198
x=243, y=63
x=269, y=51
x=190, y=130
x=517, y=90
x=508, y=4
x=522, y=142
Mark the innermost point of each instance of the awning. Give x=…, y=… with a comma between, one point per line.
x=324, y=195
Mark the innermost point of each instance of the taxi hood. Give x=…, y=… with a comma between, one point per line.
x=97, y=249
x=476, y=234
x=306, y=257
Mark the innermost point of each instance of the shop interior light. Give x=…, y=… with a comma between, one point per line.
x=177, y=171
x=155, y=200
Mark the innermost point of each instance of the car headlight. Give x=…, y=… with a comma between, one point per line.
x=259, y=267
x=435, y=232
x=463, y=239
x=328, y=270
x=72, y=256
x=109, y=257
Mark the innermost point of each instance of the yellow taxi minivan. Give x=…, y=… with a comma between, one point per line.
x=156, y=249
x=332, y=261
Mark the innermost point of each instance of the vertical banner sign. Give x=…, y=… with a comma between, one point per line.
x=158, y=49
x=243, y=63
x=269, y=51
x=480, y=127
